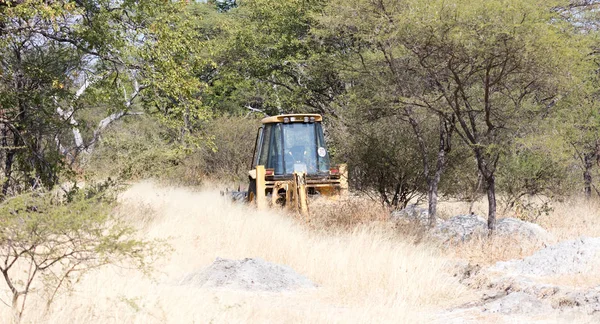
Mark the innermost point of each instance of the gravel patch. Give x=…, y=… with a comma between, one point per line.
x=461, y=228
x=568, y=257
x=517, y=303
x=411, y=213
x=513, y=226
x=464, y=227
x=250, y=274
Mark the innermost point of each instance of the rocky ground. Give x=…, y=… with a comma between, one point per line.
x=532, y=289
x=523, y=290
x=557, y=284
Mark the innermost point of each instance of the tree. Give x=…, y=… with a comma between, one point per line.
x=578, y=127
x=57, y=238
x=274, y=63
x=382, y=80
x=382, y=157
x=176, y=63
x=47, y=49
x=491, y=66
x=61, y=60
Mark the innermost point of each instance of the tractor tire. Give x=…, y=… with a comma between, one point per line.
x=252, y=190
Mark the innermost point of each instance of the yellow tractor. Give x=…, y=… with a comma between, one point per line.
x=291, y=162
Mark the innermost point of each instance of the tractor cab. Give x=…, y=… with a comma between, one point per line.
x=291, y=162
x=292, y=143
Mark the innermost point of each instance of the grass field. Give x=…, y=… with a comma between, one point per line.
x=363, y=274
x=366, y=270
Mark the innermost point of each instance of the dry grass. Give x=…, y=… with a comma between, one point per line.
x=345, y=213
x=449, y=208
x=573, y=218
x=367, y=269
x=351, y=212
x=569, y=219
x=366, y=272
x=487, y=251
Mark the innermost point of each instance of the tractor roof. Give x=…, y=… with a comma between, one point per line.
x=294, y=118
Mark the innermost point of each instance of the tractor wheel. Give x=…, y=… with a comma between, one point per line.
x=252, y=190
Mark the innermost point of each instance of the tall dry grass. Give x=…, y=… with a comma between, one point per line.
x=365, y=272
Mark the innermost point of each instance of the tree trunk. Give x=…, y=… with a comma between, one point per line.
x=433, y=187
x=433, y=181
x=433, y=199
x=475, y=195
x=10, y=155
x=487, y=167
x=8, y=164
x=491, y=194
x=587, y=175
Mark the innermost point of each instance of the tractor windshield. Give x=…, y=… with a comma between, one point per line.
x=294, y=147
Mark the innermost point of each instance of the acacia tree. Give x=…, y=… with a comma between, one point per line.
x=578, y=121
x=389, y=84
x=491, y=66
x=578, y=126
x=48, y=241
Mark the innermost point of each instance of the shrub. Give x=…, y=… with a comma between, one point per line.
x=228, y=153
x=137, y=149
x=383, y=159
x=55, y=238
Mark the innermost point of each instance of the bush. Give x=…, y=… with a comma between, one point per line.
x=228, y=155
x=383, y=159
x=530, y=179
x=55, y=238
x=135, y=148
x=142, y=148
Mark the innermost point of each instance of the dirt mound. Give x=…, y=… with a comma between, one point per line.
x=461, y=228
x=464, y=227
x=251, y=274
x=519, y=287
x=412, y=213
x=513, y=226
x=568, y=257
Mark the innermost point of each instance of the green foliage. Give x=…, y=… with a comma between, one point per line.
x=491, y=67
x=176, y=56
x=531, y=177
x=228, y=158
x=61, y=59
x=136, y=149
x=142, y=148
x=496, y=71
x=383, y=160
x=273, y=62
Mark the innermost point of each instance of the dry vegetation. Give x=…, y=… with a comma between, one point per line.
x=569, y=219
x=365, y=267
x=363, y=273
